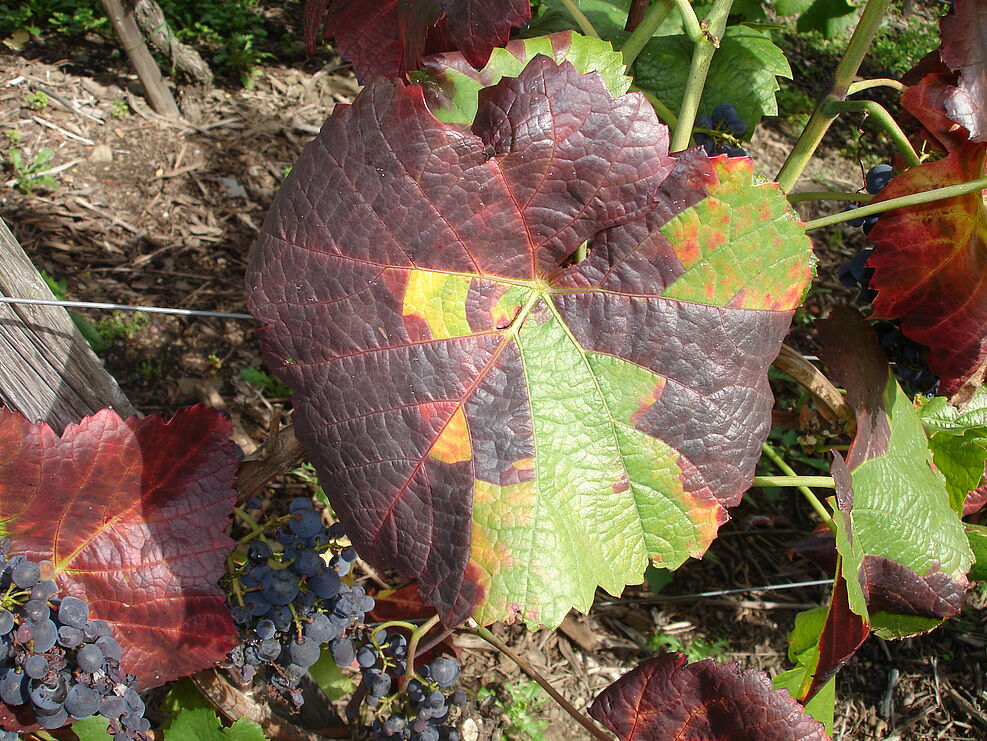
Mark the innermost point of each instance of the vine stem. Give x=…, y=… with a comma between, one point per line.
x=861, y=85
x=827, y=195
x=913, y=199
x=581, y=20
x=823, y=482
x=706, y=45
x=416, y=635
x=881, y=116
x=635, y=14
x=846, y=70
x=818, y=506
x=643, y=32
x=579, y=717
x=689, y=20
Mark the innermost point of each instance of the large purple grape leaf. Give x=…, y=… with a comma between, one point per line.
x=452, y=84
x=930, y=260
x=131, y=512
x=964, y=50
x=904, y=553
x=509, y=431
x=390, y=37
x=665, y=699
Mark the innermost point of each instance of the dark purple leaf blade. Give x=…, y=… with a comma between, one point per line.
x=665, y=699
x=132, y=514
x=389, y=38
x=412, y=276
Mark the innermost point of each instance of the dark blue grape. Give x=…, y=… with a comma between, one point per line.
x=26, y=574
x=299, y=504
x=444, y=670
x=73, y=611
x=258, y=552
x=878, y=177
x=325, y=585
x=308, y=563
x=305, y=523
x=36, y=666
x=342, y=651
x=265, y=629
x=280, y=587
x=90, y=658
x=82, y=701
x=304, y=652
x=6, y=622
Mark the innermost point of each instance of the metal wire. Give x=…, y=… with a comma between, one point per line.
x=121, y=307
x=714, y=593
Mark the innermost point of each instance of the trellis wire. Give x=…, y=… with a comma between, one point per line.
x=121, y=307
x=713, y=593
x=149, y=309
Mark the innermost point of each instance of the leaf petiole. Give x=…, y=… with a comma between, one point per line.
x=824, y=482
x=811, y=498
x=689, y=20
x=860, y=85
x=827, y=195
x=581, y=20
x=913, y=199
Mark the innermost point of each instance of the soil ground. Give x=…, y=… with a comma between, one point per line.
x=158, y=213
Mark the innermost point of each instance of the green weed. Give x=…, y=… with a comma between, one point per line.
x=267, y=383
x=525, y=701
x=37, y=101
x=119, y=108
x=13, y=136
x=122, y=325
x=30, y=172
x=696, y=649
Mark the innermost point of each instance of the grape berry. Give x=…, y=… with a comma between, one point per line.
x=724, y=127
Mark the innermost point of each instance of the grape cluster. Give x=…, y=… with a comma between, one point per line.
x=55, y=659
x=290, y=601
x=910, y=358
x=422, y=714
x=725, y=126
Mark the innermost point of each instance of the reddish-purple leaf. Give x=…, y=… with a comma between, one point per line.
x=964, y=50
x=132, y=514
x=665, y=699
x=930, y=260
x=390, y=37
x=414, y=276
x=843, y=633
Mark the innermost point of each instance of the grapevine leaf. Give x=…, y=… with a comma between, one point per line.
x=607, y=16
x=506, y=430
x=829, y=17
x=93, y=728
x=202, y=724
x=930, y=260
x=902, y=544
x=743, y=72
x=132, y=513
x=976, y=500
x=334, y=683
x=803, y=651
x=958, y=441
x=452, y=85
x=389, y=38
x=665, y=699
x=977, y=536
x=964, y=50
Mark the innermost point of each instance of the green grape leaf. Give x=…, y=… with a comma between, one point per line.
x=508, y=427
x=202, y=724
x=93, y=728
x=607, y=16
x=958, y=440
x=743, y=72
x=830, y=17
x=977, y=537
x=330, y=678
x=452, y=85
x=902, y=543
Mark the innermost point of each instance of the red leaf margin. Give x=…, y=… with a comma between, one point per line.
x=132, y=512
x=665, y=699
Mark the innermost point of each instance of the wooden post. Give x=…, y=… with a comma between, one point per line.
x=48, y=371
x=158, y=94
